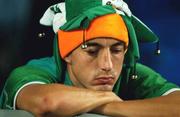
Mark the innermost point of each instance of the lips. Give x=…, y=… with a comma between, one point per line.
x=103, y=81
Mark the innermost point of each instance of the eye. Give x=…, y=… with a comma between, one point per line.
x=117, y=50
x=92, y=52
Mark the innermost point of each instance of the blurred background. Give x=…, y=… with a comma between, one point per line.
x=163, y=17
x=19, y=29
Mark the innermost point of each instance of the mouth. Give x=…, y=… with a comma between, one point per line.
x=104, y=80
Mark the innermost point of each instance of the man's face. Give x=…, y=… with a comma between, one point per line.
x=98, y=66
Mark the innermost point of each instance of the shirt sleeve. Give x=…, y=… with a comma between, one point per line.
x=36, y=71
x=149, y=84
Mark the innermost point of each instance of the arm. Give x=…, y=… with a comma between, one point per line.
x=149, y=86
x=164, y=106
x=60, y=100
x=49, y=98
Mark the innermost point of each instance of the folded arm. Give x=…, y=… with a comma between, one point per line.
x=60, y=100
x=164, y=106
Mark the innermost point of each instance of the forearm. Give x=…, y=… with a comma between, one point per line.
x=165, y=106
x=60, y=100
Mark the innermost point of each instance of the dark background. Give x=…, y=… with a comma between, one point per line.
x=19, y=29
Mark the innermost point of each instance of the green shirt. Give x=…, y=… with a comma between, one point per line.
x=148, y=84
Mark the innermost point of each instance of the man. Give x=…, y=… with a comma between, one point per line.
x=94, y=67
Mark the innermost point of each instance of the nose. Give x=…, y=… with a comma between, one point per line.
x=105, y=60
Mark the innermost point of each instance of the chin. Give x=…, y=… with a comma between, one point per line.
x=103, y=88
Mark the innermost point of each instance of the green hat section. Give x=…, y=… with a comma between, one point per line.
x=79, y=14
x=143, y=33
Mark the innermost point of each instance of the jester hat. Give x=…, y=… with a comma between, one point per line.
x=76, y=15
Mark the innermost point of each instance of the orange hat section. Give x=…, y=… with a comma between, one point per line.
x=111, y=25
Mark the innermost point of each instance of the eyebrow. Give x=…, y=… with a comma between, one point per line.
x=118, y=44
x=91, y=44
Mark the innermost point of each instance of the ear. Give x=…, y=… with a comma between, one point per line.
x=68, y=59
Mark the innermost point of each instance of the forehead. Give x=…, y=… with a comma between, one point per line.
x=104, y=41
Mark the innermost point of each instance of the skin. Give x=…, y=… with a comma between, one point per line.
x=92, y=90
x=92, y=87
x=101, y=63
x=55, y=100
x=164, y=106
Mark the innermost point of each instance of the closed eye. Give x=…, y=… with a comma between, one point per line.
x=92, y=51
x=93, y=48
x=116, y=50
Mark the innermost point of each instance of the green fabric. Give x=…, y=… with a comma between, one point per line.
x=83, y=19
x=80, y=17
x=57, y=57
x=149, y=83
x=132, y=55
x=37, y=70
x=48, y=64
x=72, y=10
x=87, y=10
x=143, y=33
x=51, y=70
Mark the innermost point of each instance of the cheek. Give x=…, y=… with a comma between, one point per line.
x=83, y=68
x=118, y=62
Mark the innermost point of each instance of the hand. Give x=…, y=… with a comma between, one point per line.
x=100, y=109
